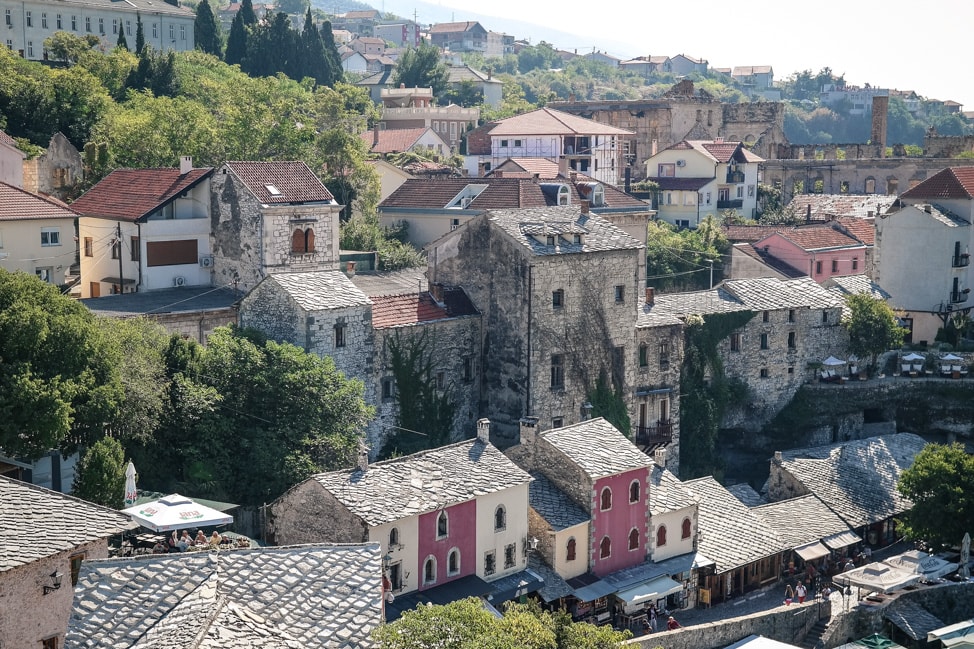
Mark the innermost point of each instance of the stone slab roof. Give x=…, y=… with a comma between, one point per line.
x=746, y=494
x=452, y=28
x=749, y=233
x=36, y=523
x=730, y=533
x=415, y=308
x=393, y=282
x=667, y=493
x=166, y=300
x=293, y=180
x=320, y=290
x=528, y=225
x=458, y=73
x=131, y=194
x=769, y=293
x=953, y=182
x=913, y=619
x=18, y=204
x=423, y=482
x=679, y=305
x=801, y=520
x=319, y=595
x=553, y=505
x=597, y=447
x=855, y=284
x=857, y=480
x=546, y=121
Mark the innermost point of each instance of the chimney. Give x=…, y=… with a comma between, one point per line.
x=808, y=213
x=880, y=118
x=586, y=411
x=585, y=205
x=436, y=292
x=363, y=457
x=185, y=164
x=490, y=74
x=483, y=430
x=375, y=135
x=573, y=175
x=350, y=268
x=654, y=148
x=563, y=166
x=659, y=457
x=402, y=86
x=650, y=296
x=777, y=458
x=528, y=431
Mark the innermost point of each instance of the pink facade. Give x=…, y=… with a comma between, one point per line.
x=618, y=520
x=461, y=535
x=819, y=264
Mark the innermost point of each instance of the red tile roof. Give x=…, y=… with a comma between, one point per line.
x=953, y=182
x=293, y=179
x=131, y=194
x=17, y=204
x=750, y=233
x=862, y=229
x=546, y=121
x=413, y=308
x=546, y=169
x=393, y=140
x=6, y=139
x=817, y=237
x=451, y=28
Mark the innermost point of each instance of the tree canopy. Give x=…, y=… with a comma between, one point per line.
x=872, y=326
x=421, y=67
x=100, y=477
x=941, y=485
x=679, y=260
x=206, y=30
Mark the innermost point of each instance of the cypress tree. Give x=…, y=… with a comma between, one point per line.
x=139, y=35
x=206, y=30
x=121, y=38
x=247, y=13
x=331, y=53
x=314, y=61
x=237, y=42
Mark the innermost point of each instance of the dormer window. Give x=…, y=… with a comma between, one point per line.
x=550, y=240
x=272, y=190
x=577, y=239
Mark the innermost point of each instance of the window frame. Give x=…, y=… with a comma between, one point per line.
x=619, y=292
x=558, y=299
x=557, y=372
x=633, y=544
x=635, y=490
x=571, y=549
x=500, y=518
x=490, y=562
x=686, y=528
x=605, y=547
x=510, y=556
x=429, y=570
x=661, y=536
x=605, y=499
x=442, y=525
x=765, y=341
x=51, y=242
x=453, y=567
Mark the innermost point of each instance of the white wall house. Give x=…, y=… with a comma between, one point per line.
x=36, y=234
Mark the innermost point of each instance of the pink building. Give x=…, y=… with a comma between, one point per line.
x=446, y=537
x=818, y=251
x=619, y=521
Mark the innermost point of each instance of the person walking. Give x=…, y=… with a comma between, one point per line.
x=789, y=594
x=801, y=591
x=653, y=617
x=672, y=624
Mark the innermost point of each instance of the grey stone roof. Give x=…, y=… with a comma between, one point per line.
x=667, y=493
x=555, y=586
x=553, y=505
x=746, y=494
x=317, y=595
x=730, y=533
x=857, y=479
x=801, y=520
x=397, y=282
x=668, y=307
x=37, y=523
x=597, y=447
x=913, y=619
x=598, y=235
x=768, y=293
x=319, y=291
x=855, y=284
x=166, y=300
x=423, y=482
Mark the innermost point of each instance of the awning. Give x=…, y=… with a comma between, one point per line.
x=841, y=540
x=511, y=586
x=594, y=591
x=469, y=586
x=114, y=280
x=812, y=551
x=650, y=590
x=175, y=512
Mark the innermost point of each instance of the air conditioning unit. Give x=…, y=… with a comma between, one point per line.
x=681, y=163
x=207, y=261
x=178, y=281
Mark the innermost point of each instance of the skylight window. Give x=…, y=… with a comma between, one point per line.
x=274, y=191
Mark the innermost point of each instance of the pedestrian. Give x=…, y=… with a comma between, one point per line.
x=672, y=624
x=646, y=627
x=801, y=592
x=826, y=591
x=653, y=617
x=849, y=565
x=789, y=594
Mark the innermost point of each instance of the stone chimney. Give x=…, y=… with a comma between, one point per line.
x=650, y=296
x=777, y=458
x=490, y=74
x=528, y=431
x=880, y=117
x=436, y=292
x=375, y=135
x=350, y=268
x=586, y=411
x=185, y=164
x=563, y=166
x=483, y=430
x=574, y=176
x=363, y=457
x=659, y=457
x=585, y=206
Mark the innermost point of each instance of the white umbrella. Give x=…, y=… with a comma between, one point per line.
x=131, y=494
x=175, y=512
x=833, y=361
x=913, y=356
x=951, y=357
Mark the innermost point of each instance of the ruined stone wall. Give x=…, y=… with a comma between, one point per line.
x=309, y=514
x=658, y=381
x=198, y=325
x=947, y=146
x=55, y=172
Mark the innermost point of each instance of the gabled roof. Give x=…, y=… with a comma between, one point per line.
x=133, y=194
x=671, y=183
x=747, y=70
x=855, y=284
x=10, y=142
x=553, y=504
x=395, y=140
x=450, y=28
x=17, y=204
x=826, y=207
x=545, y=168
x=367, y=14
x=530, y=228
x=394, y=282
x=801, y=520
x=319, y=290
x=768, y=293
x=717, y=150
x=546, y=121
x=423, y=482
x=815, y=237
x=36, y=523
x=862, y=230
x=667, y=493
x=953, y=182
x=458, y=73
x=857, y=479
x=416, y=308
x=294, y=181
x=772, y=262
x=597, y=447
x=273, y=598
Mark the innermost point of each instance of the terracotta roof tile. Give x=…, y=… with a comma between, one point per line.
x=863, y=230
x=817, y=237
x=131, y=194
x=6, y=139
x=749, y=233
x=293, y=179
x=413, y=308
x=393, y=140
x=953, y=182
x=546, y=121
x=21, y=205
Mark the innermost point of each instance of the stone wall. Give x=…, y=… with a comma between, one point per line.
x=198, y=325
x=309, y=514
x=658, y=382
x=55, y=172
x=946, y=146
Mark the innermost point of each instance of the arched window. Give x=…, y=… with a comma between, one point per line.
x=303, y=241
x=570, y=555
x=500, y=518
x=661, y=536
x=634, y=491
x=686, y=528
x=634, y=539
x=870, y=186
x=394, y=536
x=429, y=571
x=605, y=548
x=442, y=525
x=453, y=562
x=606, y=499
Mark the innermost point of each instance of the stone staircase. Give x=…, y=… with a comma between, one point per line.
x=813, y=640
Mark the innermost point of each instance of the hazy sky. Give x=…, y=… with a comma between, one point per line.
x=924, y=46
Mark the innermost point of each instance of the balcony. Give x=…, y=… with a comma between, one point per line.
x=960, y=261
x=730, y=204
x=956, y=297
x=735, y=177
x=659, y=434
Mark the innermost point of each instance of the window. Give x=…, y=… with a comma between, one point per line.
x=442, y=525
x=735, y=342
x=517, y=142
x=49, y=643
x=557, y=299
x=88, y=24
x=643, y=355
x=50, y=237
x=661, y=536
x=429, y=571
x=750, y=191
x=666, y=170
x=577, y=239
x=394, y=537
x=101, y=26
x=550, y=240
x=388, y=388
x=557, y=372
x=28, y=18
x=7, y=18
x=303, y=241
x=503, y=143
x=818, y=268
x=128, y=27
x=835, y=265
x=114, y=25
x=155, y=30
x=620, y=293
x=453, y=563
x=740, y=191
x=605, y=548
x=570, y=550
x=339, y=335
x=76, y=561
x=557, y=422
x=791, y=369
x=689, y=198
x=707, y=199
x=89, y=247
x=135, y=250
x=182, y=32
x=172, y=32
x=855, y=263
x=441, y=380
x=791, y=340
x=764, y=373
x=870, y=186
x=687, y=525
x=791, y=315
x=634, y=491
x=825, y=317
x=634, y=539
x=490, y=563
x=30, y=49
x=57, y=20
x=74, y=23
x=765, y=316
x=43, y=20
x=510, y=555
x=764, y=341
x=467, y=369
x=605, y=499
x=500, y=518
x=664, y=355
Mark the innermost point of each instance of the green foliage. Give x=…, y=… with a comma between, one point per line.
x=466, y=624
x=156, y=73
x=293, y=6
x=122, y=43
x=872, y=326
x=421, y=67
x=100, y=477
x=538, y=57
x=607, y=402
x=941, y=485
x=139, y=33
x=677, y=260
x=246, y=13
x=425, y=412
x=237, y=41
x=206, y=30
x=68, y=48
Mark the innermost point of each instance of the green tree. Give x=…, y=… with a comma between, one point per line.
x=421, y=67
x=680, y=260
x=941, y=485
x=139, y=33
x=295, y=7
x=331, y=51
x=247, y=14
x=236, y=51
x=101, y=474
x=68, y=48
x=872, y=326
x=121, y=39
x=206, y=30
x=140, y=344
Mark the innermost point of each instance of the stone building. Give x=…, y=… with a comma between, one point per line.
x=45, y=537
x=57, y=171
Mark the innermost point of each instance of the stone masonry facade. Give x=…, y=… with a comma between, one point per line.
x=308, y=513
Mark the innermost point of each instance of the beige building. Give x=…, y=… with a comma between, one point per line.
x=36, y=234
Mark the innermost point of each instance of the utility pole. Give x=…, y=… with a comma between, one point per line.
x=121, y=279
